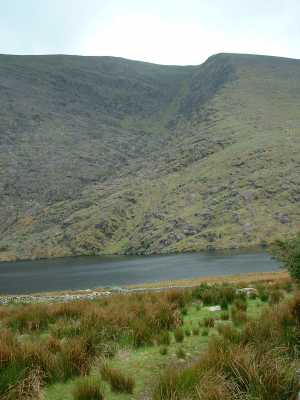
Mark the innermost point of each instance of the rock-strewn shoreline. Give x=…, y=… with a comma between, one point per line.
x=28, y=298
x=92, y=294
x=83, y=295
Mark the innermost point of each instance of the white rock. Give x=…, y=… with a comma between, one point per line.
x=247, y=290
x=214, y=308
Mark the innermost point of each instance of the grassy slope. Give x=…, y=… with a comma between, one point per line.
x=137, y=158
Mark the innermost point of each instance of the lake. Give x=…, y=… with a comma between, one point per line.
x=74, y=273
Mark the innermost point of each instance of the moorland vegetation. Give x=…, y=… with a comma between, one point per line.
x=166, y=345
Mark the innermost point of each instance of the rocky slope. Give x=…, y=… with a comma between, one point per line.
x=102, y=155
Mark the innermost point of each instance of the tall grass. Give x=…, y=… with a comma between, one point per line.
x=257, y=362
x=79, y=332
x=179, y=334
x=47, y=343
x=215, y=294
x=164, y=338
x=238, y=316
x=117, y=380
x=88, y=389
x=30, y=318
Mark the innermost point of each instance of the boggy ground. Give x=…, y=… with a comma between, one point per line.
x=130, y=347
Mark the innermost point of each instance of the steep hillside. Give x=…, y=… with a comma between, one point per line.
x=105, y=155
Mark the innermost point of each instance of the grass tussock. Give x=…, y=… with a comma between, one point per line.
x=43, y=344
x=163, y=350
x=88, y=388
x=209, y=322
x=117, y=380
x=238, y=316
x=180, y=353
x=61, y=341
x=224, y=316
x=164, y=338
x=255, y=362
x=19, y=384
x=179, y=334
x=196, y=331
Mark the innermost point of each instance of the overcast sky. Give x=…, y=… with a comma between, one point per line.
x=160, y=31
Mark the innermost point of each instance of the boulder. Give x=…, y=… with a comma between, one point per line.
x=247, y=290
x=214, y=308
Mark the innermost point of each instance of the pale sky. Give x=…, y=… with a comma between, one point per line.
x=165, y=32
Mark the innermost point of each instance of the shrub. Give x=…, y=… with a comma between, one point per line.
x=88, y=389
x=179, y=335
x=289, y=253
x=215, y=294
x=117, y=380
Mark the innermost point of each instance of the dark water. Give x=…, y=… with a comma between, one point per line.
x=91, y=272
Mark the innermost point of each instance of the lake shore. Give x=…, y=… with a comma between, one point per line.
x=92, y=294
x=86, y=273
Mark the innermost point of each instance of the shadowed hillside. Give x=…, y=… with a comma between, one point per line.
x=106, y=155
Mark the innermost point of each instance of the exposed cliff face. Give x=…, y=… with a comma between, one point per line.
x=106, y=155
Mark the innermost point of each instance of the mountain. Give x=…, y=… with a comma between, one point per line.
x=103, y=155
